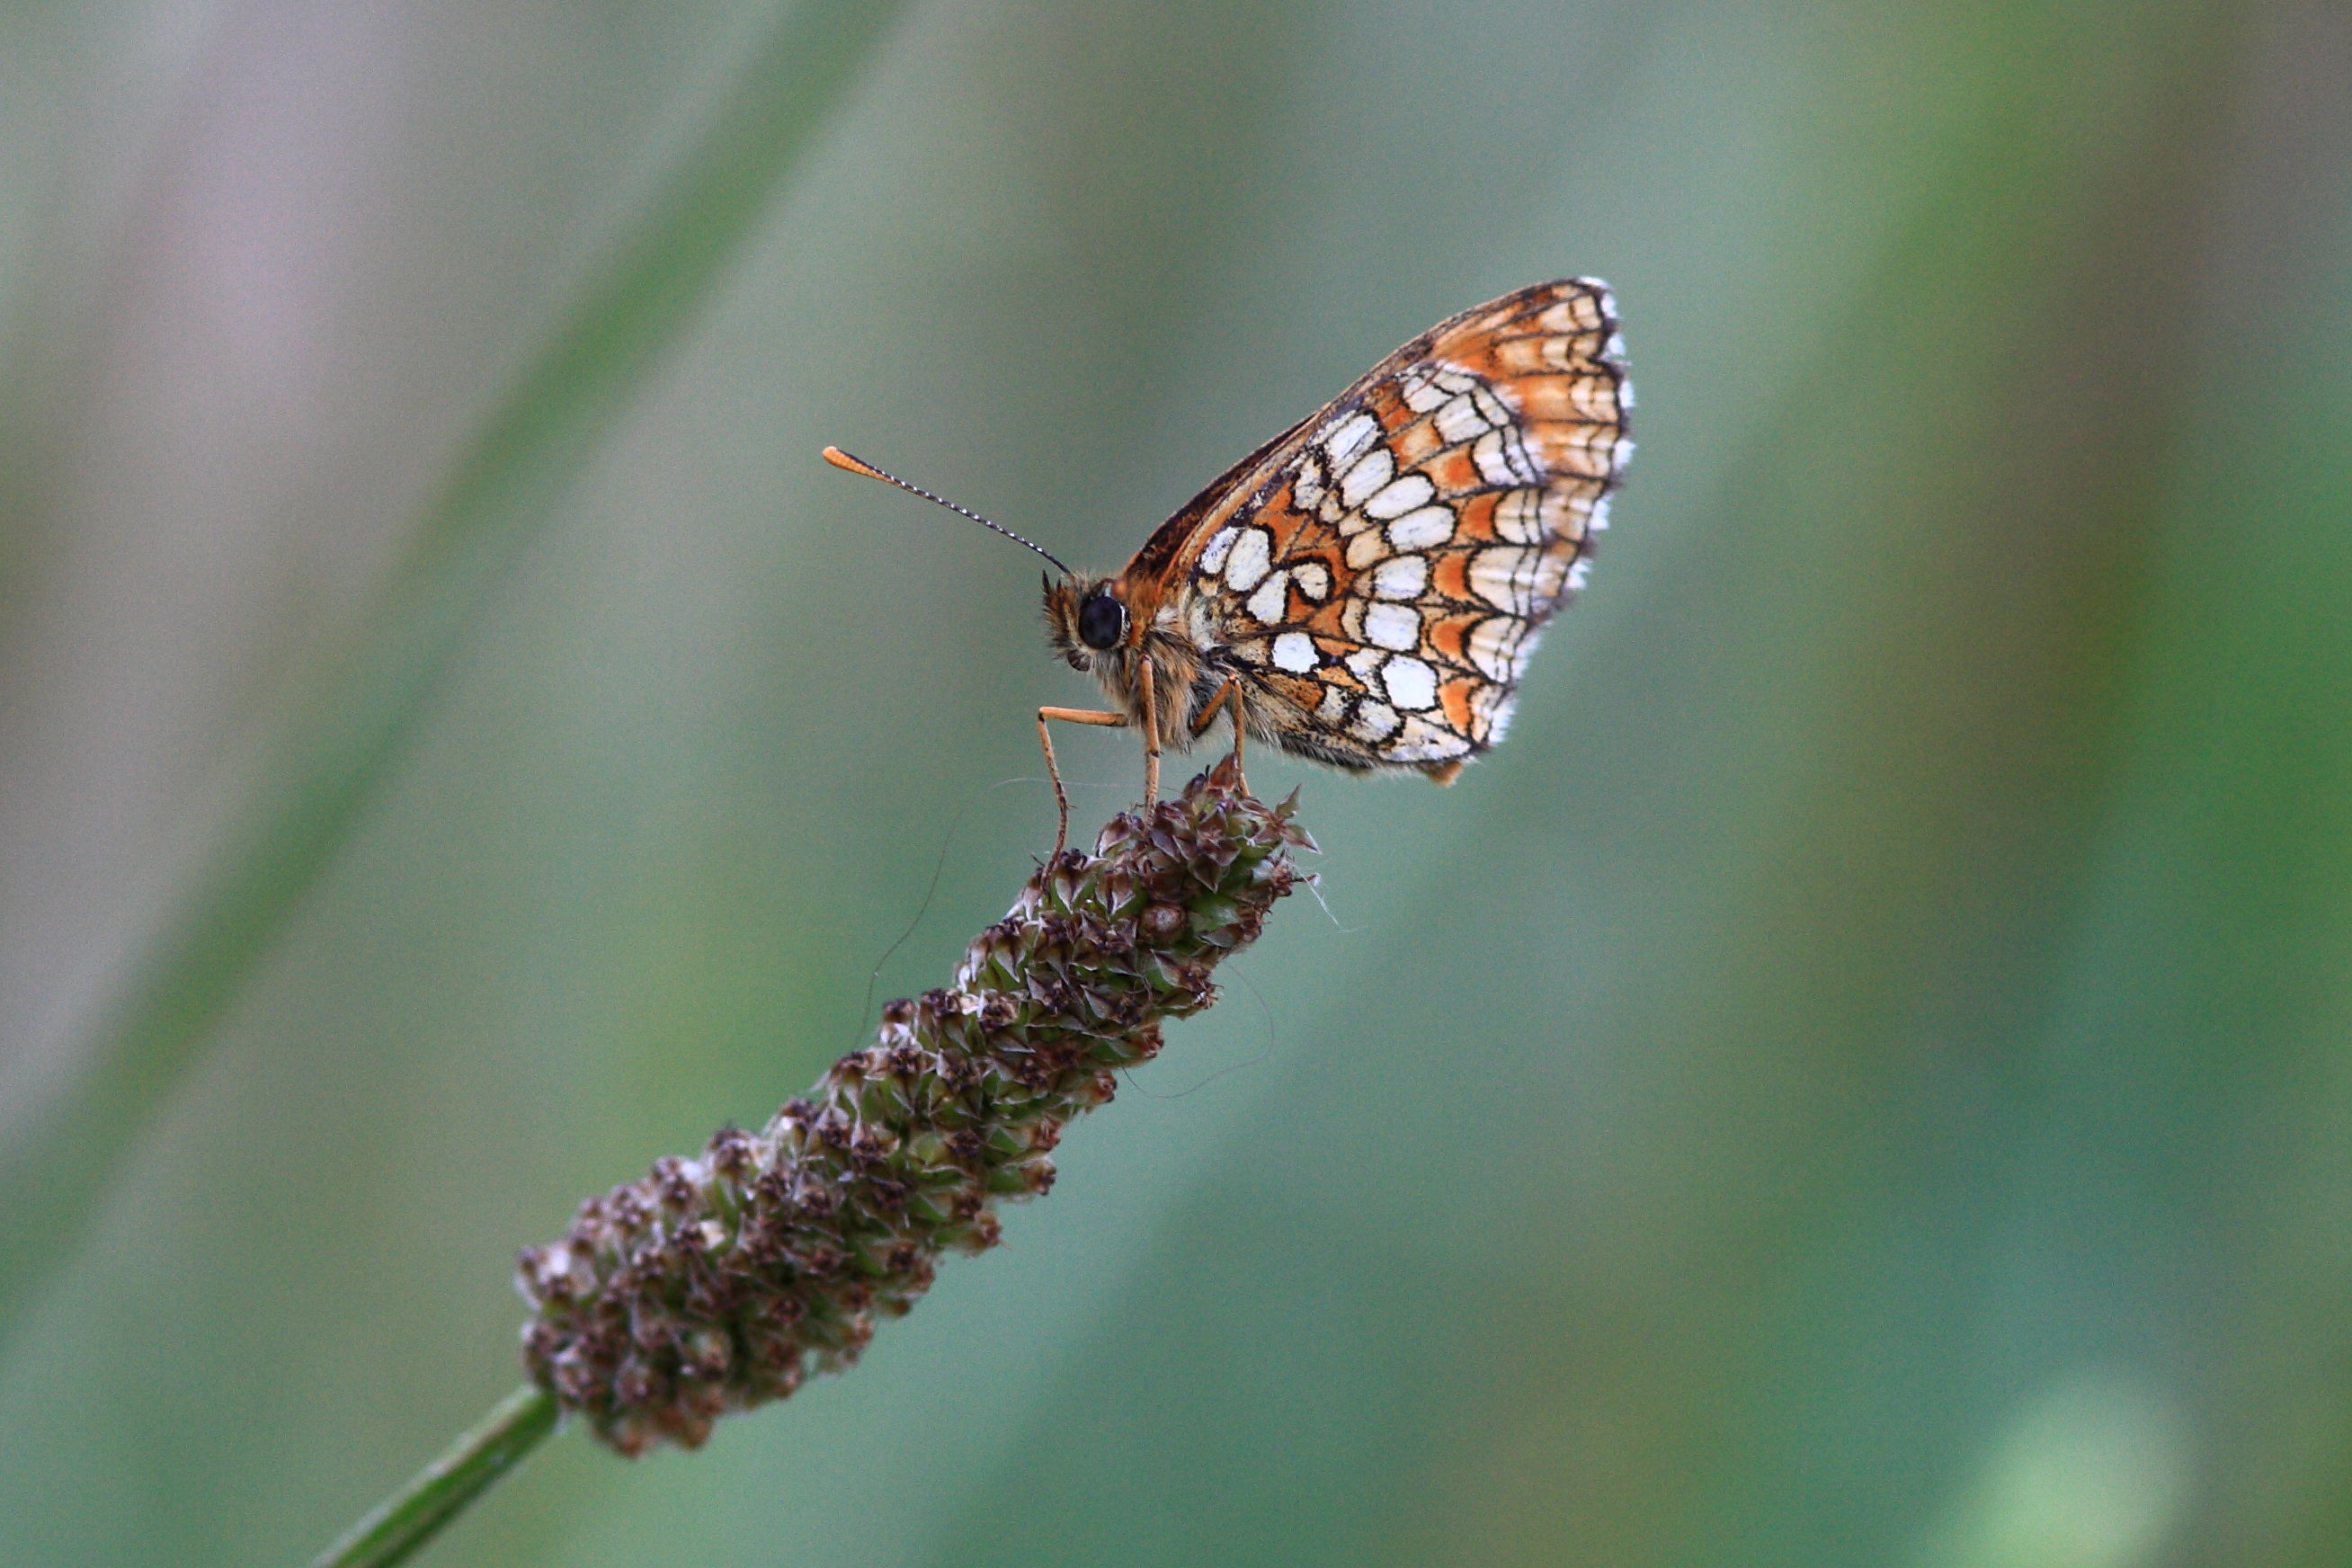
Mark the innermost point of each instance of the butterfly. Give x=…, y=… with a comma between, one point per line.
x=1365, y=589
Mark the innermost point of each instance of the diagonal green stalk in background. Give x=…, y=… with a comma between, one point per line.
x=323, y=772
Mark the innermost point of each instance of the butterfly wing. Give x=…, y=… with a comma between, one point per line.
x=1376, y=577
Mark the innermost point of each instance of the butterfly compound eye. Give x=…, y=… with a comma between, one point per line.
x=1102, y=621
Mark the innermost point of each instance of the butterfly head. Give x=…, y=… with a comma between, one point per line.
x=1087, y=620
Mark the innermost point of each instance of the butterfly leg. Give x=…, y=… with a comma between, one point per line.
x=1229, y=695
x=1046, y=739
x=1151, y=736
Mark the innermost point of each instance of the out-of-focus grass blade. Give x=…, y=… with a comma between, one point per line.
x=642, y=298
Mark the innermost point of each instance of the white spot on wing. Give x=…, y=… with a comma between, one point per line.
x=1374, y=722
x=1364, y=664
x=1310, y=578
x=1307, y=482
x=1424, y=529
x=1460, y=421
x=1401, y=496
x=1349, y=438
x=1370, y=472
x=1253, y=553
x=1213, y=559
x=1400, y=577
x=1412, y=685
x=1295, y=651
x=1434, y=385
x=1392, y=625
x=1421, y=393
x=1273, y=596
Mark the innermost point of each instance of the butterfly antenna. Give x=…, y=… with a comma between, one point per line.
x=841, y=459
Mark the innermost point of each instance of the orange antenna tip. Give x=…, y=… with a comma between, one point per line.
x=841, y=459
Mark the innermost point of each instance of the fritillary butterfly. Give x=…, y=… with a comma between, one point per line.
x=1365, y=589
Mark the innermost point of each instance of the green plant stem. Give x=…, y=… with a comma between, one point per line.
x=440, y=1491
x=331, y=763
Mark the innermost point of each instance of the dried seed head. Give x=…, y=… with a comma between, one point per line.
x=719, y=1282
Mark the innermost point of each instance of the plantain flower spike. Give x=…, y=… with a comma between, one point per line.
x=719, y=1282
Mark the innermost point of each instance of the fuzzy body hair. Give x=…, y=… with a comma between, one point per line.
x=1189, y=667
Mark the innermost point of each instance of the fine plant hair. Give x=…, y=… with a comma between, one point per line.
x=721, y=1281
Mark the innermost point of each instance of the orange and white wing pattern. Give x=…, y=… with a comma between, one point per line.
x=1378, y=579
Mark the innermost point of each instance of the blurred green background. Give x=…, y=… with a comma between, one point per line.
x=1861, y=1077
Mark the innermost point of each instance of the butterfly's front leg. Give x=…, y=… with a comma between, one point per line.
x=1046, y=739
x=1150, y=735
x=1229, y=695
